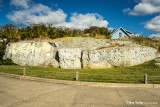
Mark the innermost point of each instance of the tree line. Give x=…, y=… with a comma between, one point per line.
x=48, y=31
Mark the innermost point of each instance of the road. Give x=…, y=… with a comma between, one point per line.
x=25, y=93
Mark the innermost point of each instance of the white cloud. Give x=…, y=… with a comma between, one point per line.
x=137, y=34
x=20, y=3
x=154, y=24
x=40, y=13
x=126, y=10
x=155, y=35
x=111, y=28
x=145, y=7
x=154, y=2
x=83, y=21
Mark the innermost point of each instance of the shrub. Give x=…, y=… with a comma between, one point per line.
x=146, y=41
x=32, y=31
x=2, y=52
x=7, y=61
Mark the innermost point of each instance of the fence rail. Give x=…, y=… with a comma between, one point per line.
x=110, y=75
x=78, y=76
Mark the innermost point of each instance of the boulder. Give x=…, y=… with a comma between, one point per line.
x=30, y=53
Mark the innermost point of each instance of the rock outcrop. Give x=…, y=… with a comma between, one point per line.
x=120, y=56
x=30, y=53
x=70, y=58
x=77, y=53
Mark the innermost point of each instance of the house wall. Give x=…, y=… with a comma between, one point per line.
x=116, y=35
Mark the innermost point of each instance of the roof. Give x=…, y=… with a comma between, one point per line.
x=125, y=31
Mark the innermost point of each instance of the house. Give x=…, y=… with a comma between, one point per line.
x=121, y=33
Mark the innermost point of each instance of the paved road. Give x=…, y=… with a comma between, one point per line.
x=25, y=93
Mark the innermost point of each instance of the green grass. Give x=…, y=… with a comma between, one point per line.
x=133, y=74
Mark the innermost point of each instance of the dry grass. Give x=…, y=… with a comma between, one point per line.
x=144, y=41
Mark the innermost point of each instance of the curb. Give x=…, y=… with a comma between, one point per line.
x=94, y=84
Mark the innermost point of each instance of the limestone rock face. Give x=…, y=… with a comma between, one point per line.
x=82, y=43
x=30, y=53
x=70, y=58
x=121, y=56
x=77, y=53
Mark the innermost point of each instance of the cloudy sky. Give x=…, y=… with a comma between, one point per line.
x=138, y=16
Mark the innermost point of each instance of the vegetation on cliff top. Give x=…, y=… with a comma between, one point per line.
x=42, y=31
x=144, y=41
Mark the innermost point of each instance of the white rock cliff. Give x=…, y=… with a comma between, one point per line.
x=77, y=53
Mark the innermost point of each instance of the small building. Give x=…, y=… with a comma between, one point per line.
x=121, y=33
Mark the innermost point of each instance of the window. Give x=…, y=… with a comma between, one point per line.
x=120, y=34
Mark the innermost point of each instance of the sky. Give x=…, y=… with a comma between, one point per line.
x=141, y=17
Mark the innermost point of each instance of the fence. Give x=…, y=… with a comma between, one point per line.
x=113, y=78
x=78, y=76
x=18, y=71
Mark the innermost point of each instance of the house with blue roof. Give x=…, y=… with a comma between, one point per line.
x=121, y=33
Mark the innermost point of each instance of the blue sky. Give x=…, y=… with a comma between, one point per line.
x=139, y=16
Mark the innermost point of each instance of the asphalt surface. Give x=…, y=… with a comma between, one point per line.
x=25, y=93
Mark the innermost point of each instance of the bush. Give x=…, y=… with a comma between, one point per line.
x=7, y=61
x=46, y=31
x=2, y=52
x=146, y=41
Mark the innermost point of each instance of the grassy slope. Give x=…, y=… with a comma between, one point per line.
x=133, y=74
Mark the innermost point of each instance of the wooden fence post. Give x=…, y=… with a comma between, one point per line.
x=77, y=76
x=24, y=71
x=145, y=78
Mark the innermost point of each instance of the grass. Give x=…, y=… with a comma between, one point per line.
x=133, y=74
x=144, y=41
